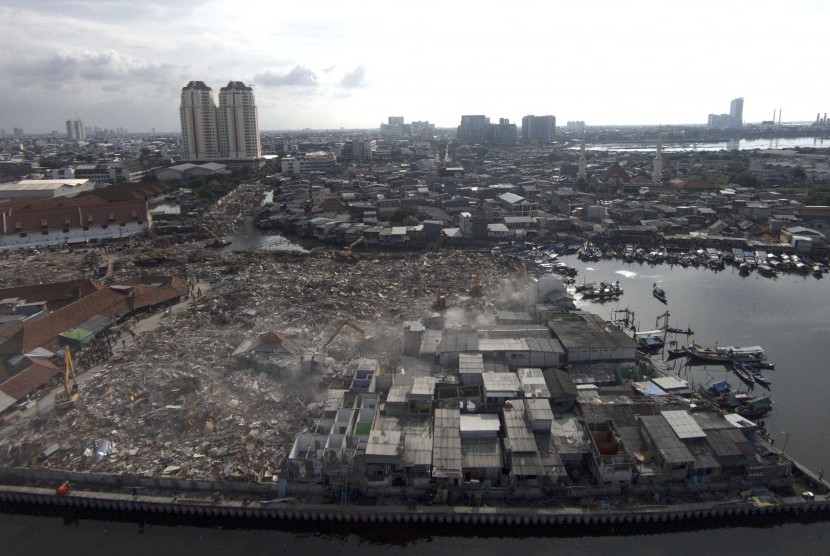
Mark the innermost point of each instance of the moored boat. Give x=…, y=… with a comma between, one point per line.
x=742, y=372
x=726, y=354
x=659, y=293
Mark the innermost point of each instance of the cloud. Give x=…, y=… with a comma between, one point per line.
x=297, y=77
x=354, y=79
x=70, y=67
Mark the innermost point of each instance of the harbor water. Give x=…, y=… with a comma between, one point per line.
x=788, y=316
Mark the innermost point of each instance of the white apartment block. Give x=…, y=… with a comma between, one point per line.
x=229, y=131
x=238, y=122
x=199, y=126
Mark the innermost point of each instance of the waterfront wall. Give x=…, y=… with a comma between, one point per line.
x=189, y=499
x=108, y=506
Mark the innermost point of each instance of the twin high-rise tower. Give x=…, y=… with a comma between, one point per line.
x=229, y=131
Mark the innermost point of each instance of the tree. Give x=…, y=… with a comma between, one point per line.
x=402, y=212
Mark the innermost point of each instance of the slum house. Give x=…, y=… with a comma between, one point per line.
x=610, y=461
x=587, y=337
x=399, y=452
x=446, y=450
x=664, y=438
x=481, y=451
x=562, y=392
x=521, y=452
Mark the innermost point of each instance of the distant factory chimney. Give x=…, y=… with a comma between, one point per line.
x=779, y=116
x=773, y=115
x=818, y=117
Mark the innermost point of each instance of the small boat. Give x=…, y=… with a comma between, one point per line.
x=754, y=374
x=659, y=293
x=727, y=354
x=755, y=407
x=676, y=353
x=650, y=341
x=688, y=331
x=742, y=372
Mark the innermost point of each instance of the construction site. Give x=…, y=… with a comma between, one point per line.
x=355, y=375
x=175, y=397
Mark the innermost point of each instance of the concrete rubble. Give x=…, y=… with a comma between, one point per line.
x=172, y=401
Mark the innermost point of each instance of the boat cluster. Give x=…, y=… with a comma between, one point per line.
x=745, y=404
x=600, y=291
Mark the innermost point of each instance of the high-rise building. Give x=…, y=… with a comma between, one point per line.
x=503, y=134
x=657, y=174
x=75, y=130
x=199, y=127
x=238, y=122
x=230, y=131
x=736, y=112
x=395, y=127
x=473, y=129
x=538, y=129
x=580, y=174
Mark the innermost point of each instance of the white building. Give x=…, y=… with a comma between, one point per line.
x=320, y=161
x=199, y=125
x=45, y=189
x=75, y=130
x=238, y=122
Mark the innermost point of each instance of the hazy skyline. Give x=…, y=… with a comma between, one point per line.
x=332, y=64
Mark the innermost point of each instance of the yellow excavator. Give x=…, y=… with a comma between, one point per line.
x=478, y=288
x=348, y=253
x=439, y=303
x=364, y=336
x=66, y=400
x=215, y=240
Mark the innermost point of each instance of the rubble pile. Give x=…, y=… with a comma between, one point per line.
x=174, y=402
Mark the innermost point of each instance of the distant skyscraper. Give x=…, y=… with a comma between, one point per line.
x=198, y=118
x=395, y=127
x=657, y=174
x=580, y=174
x=473, y=129
x=75, y=130
x=736, y=112
x=503, y=134
x=238, y=122
x=538, y=129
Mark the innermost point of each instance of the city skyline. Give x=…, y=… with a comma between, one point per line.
x=121, y=64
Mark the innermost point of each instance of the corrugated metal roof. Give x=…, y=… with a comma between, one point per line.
x=471, y=363
x=481, y=453
x=446, y=444
x=480, y=422
x=500, y=383
x=683, y=424
x=384, y=443
x=502, y=344
x=669, y=447
x=398, y=393
x=519, y=437
x=526, y=465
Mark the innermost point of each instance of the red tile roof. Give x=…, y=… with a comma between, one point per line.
x=18, y=338
x=55, y=294
x=36, y=375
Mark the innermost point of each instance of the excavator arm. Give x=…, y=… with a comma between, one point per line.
x=364, y=337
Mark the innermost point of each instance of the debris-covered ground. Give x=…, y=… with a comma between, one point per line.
x=172, y=401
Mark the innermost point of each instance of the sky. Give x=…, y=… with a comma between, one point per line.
x=327, y=64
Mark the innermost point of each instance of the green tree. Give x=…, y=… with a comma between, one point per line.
x=402, y=212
